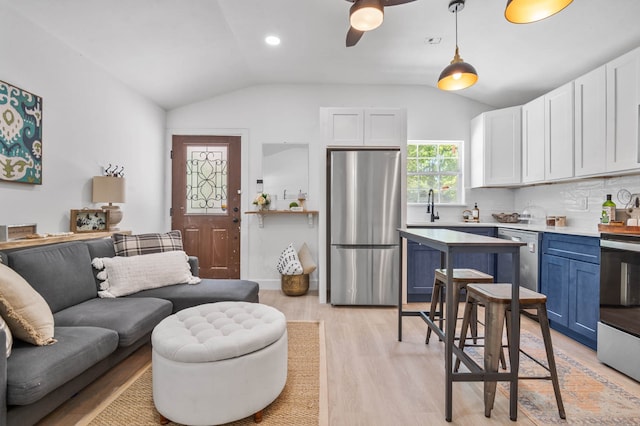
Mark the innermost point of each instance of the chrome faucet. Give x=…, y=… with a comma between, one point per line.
x=431, y=208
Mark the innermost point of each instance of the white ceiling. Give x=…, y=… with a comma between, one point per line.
x=176, y=52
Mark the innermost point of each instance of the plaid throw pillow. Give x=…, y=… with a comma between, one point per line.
x=133, y=245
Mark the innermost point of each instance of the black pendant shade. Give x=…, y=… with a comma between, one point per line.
x=527, y=11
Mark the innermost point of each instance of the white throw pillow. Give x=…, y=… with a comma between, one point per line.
x=127, y=275
x=288, y=262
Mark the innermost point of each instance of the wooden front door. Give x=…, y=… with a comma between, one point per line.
x=206, y=201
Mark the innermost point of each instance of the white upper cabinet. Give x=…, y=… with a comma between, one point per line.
x=558, y=128
x=623, y=109
x=384, y=127
x=496, y=148
x=590, y=122
x=533, y=141
x=343, y=126
x=360, y=126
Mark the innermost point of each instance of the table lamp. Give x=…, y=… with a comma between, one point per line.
x=110, y=189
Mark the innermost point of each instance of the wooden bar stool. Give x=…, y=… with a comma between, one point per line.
x=496, y=299
x=461, y=277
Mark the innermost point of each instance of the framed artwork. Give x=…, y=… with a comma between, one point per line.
x=20, y=135
x=87, y=220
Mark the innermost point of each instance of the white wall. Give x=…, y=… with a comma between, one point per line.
x=291, y=113
x=89, y=120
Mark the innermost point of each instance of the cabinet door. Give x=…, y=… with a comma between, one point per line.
x=343, y=126
x=384, y=127
x=484, y=262
x=590, y=122
x=421, y=264
x=554, y=282
x=533, y=141
x=496, y=148
x=584, y=298
x=558, y=126
x=623, y=109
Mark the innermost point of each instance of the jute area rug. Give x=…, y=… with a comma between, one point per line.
x=302, y=402
x=589, y=398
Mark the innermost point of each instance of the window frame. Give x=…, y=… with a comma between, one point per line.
x=459, y=173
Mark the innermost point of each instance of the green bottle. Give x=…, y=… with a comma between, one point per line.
x=608, y=211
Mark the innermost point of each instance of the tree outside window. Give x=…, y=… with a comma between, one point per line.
x=434, y=165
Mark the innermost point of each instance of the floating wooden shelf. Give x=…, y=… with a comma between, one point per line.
x=262, y=213
x=29, y=242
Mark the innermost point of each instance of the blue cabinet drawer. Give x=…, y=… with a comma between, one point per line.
x=584, y=249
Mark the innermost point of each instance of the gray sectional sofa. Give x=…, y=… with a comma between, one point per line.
x=93, y=334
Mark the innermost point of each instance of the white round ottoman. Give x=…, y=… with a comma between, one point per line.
x=218, y=362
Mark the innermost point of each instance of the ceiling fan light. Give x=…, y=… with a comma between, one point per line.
x=366, y=15
x=527, y=11
x=457, y=75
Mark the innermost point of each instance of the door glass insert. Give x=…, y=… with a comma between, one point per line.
x=207, y=176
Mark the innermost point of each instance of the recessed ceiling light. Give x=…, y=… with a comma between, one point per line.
x=272, y=40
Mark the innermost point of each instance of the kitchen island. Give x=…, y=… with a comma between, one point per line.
x=450, y=242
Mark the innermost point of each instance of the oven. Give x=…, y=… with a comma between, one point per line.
x=619, y=325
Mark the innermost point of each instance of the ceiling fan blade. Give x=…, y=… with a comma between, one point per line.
x=396, y=2
x=353, y=36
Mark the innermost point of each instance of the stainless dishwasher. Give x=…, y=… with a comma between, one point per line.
x=529, y=258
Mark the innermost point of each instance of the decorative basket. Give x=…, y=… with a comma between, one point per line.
x=507, y=217
x=295, y=285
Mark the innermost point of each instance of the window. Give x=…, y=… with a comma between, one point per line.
x=434, y=165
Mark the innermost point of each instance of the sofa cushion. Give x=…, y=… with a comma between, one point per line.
x=25, y=311
x=130, y=318
x=35, y=371
x=208, y=291
x=61, y=273
x=126, y=275
x=133, y=245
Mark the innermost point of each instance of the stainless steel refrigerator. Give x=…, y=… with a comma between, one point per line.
x=364, y=217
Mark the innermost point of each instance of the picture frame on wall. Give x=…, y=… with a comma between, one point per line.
x=20, y=135
x=88, y=220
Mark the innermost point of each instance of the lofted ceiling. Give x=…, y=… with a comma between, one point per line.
x=176, y=52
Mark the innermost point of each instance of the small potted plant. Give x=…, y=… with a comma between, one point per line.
x=262, y=201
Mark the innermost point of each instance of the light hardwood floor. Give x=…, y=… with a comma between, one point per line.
x=372, y=378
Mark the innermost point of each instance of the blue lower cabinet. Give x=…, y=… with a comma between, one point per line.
x=422, y=261
x=570, y=278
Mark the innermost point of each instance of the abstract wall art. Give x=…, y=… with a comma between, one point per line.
x=20, y=135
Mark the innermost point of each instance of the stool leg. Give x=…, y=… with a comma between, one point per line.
x=546, y=336
x=257, y=417
x=468, y=308
x=494, y=321
x=435, y=297
x=474, y=324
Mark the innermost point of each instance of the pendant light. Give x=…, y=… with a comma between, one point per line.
x=366, y=15
x=526, y=11
x=458, y=74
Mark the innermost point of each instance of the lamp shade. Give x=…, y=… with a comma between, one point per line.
x=457, y=75
x=108, y=189
x=366, y=15
x=527, y=11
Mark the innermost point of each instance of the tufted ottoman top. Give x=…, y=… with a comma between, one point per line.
x=217, y=331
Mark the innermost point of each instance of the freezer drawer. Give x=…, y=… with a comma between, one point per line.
x=364, y=275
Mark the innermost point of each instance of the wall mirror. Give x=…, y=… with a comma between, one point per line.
x=285, y=171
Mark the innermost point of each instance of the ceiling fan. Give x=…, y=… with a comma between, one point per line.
x=367, y=15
